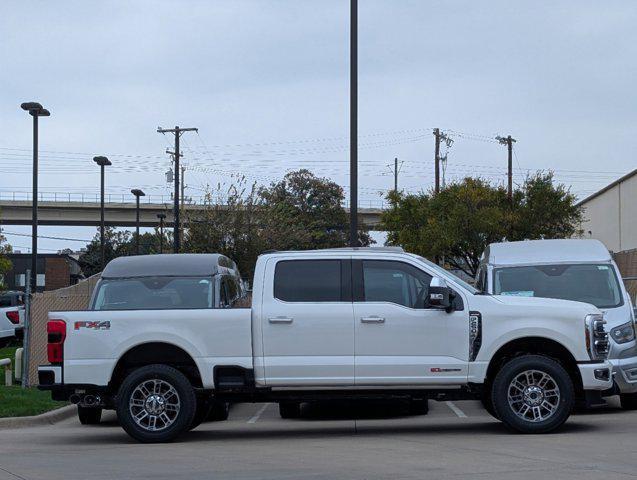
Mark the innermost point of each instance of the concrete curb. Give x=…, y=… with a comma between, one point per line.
x=48, y=418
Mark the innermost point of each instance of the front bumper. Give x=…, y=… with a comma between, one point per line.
x=596, y=376
x=625, y=373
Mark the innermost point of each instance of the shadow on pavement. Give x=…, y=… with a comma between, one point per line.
x=354, y=410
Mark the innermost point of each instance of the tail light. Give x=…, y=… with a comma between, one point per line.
x=14, y=317
x=56, y=334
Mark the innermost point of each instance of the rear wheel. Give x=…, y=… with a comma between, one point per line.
x=533, y=394
x=628, y=401
x=156, y=403
x=290, y=409
x=89, y=415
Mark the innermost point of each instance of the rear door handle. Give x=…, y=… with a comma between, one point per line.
x=373, y=319
x=280, y=320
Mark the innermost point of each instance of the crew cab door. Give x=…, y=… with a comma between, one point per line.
x=399, y=341
x=307, y=322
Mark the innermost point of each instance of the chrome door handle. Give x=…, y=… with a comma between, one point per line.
x=373, y=319
x=280, y=320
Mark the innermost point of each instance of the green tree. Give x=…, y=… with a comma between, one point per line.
x=458, y=223
x=546, y=210
x=230, y=224
x=306, y=212
x=5, y=263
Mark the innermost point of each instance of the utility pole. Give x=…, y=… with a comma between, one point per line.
x=440, y=136
x=395, y=172
x=353, y=124
x=161, y=217
x=437, y=160
x=508, y=141
x=177, y=131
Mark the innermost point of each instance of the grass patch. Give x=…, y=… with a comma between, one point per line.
x=16, y=402
x=8, y=352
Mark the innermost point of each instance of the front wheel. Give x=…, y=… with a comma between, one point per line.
x=156, y=403
x=533, y=394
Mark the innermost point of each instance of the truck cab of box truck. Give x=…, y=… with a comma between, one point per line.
x=570, y=269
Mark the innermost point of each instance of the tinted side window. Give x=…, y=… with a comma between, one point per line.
x=395, y=282
x=154, y=293
x=5, y=301
x=308, y=281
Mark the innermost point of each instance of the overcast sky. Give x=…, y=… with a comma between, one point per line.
x=267, y=84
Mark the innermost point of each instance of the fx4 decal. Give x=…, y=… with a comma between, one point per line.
x=106, y=325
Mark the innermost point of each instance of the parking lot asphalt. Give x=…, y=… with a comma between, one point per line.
x=347, y=441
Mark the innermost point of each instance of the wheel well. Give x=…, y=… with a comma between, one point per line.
x=151, y=353
x=536, y=346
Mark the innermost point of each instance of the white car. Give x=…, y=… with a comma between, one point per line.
x=158, y=344
x=579, y=270
x=11, y=316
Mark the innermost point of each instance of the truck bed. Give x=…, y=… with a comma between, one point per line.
x=95, y=340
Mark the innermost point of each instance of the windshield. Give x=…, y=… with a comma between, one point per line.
x=154, y=293
x=595, y=284
x=446, y=274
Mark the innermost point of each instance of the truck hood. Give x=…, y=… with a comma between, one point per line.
x=549, y=304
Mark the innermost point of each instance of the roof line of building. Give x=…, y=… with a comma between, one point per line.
x=607, y=187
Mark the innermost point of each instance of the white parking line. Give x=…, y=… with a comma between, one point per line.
x=456, y=410
x=258, y=414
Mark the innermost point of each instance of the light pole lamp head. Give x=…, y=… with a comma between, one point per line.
x=102, y=161
x=161, y=216
x=137, y=192
x=35, y=109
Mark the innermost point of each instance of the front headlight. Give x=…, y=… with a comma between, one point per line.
x=624, y=333
x=597, y=342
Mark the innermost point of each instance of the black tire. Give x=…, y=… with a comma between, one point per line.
x=628, y=401
x=562, y=405
x=219, y=411
x=181, y=394
x=487, y=403
x=290, y=409
x=419, y=406
x=202, y=412
x=89, y=415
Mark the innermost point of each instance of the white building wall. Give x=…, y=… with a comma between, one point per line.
x=611, y=217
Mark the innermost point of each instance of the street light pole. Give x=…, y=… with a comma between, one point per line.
x=353, y=125
x=161, y=217
x=138, y=193
x=102, y=162
x=35, y=110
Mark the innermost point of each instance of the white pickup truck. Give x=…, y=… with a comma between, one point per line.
x=11, y=316
x=167, y=333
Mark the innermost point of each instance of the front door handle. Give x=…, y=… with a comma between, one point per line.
x=373, y=319
x=280, y=320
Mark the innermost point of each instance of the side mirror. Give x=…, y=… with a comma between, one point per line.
x=439, y=295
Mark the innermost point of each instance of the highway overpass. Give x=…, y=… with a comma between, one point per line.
x=116, y=214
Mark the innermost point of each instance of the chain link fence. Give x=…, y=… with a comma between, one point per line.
x=627, y=263
x=75, y=297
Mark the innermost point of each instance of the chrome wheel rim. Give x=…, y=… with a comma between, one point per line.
x=534, y=396
x=154, y=405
